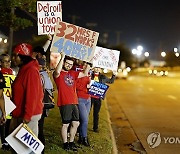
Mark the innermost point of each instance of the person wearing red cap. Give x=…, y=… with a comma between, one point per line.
x=27, y=92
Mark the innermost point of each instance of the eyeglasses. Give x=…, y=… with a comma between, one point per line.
x=69, y=64
x=6, y=61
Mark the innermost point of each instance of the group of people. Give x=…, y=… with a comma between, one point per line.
x=72, y=80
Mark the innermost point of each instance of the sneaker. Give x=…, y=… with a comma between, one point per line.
x=66, y=146
x=5, y=146
x=73, y=147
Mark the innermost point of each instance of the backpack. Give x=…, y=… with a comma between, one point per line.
x=48, y=99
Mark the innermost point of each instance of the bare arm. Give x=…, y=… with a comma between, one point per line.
x=46, y=45
x=59, y=66
x=85, y=73
x=2, y=107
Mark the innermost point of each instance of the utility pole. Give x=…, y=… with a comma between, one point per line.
x=118, y=37
x=74, y=18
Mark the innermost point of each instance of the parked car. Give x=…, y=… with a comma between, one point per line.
x=123, y=73
x=158, y=72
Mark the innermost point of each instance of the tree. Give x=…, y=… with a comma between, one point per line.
x=8, y=17
x=125, y=54
x=171, y=59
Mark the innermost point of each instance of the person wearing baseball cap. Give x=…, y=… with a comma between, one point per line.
x=27, y=92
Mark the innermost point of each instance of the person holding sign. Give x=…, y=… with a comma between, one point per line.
x=84, y=103
x=95, y=100
x=6, y=70
x=2, y=103
x=27, y=92
x=65, y=79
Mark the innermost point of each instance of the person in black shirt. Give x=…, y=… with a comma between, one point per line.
x=2, y=103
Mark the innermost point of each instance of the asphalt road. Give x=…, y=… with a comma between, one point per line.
x=144, y=105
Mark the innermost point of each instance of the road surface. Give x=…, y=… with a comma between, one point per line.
x=144, y=105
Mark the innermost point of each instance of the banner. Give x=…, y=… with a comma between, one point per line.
x=74, y=41
x=9, y=79
x=49, y=13
x=106, y=58
x=98, y=89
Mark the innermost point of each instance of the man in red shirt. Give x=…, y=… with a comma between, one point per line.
x=65, y=80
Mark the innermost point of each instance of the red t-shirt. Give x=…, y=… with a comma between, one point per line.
x=66, y=85
x=81, y=86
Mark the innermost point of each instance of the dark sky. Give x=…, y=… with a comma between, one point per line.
x=155, y=24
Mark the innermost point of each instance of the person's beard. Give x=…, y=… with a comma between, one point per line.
x=65, y=69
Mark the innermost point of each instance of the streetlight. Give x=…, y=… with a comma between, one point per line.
x=163, y=54
x=175, y=49
x=146, y=54
x=177, y=54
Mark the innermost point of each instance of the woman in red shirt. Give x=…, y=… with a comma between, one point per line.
x=84, y=105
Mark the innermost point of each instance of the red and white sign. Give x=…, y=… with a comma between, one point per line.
x=49, y=13
x=106, y=58
x=74, y=41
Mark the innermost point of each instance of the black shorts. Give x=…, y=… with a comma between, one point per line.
x=69, y=113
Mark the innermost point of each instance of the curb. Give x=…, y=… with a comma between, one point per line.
x=114, y=150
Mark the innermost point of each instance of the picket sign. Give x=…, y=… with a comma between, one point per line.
x=24, y=141
x=9, y=105
x=49, y=13
x=16, y=144
x=74, y=41
x=106, y=58
x=98, y=89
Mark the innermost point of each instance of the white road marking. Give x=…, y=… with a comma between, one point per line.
x=172, y=97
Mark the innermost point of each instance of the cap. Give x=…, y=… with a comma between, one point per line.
x=23, y=49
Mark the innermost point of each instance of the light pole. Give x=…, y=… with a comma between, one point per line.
x=138, y=53
x=163, y=54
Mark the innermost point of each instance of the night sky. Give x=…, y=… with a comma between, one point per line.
x=154, y=24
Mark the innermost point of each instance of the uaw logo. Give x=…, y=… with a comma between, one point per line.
x=154, y=139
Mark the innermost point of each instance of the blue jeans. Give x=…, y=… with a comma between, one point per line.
x=84, y=109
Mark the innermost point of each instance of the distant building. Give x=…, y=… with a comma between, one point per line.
x=3, y=43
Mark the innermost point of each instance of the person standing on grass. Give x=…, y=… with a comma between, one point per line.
x=84, y=104
x=4, y=129
x=65, y=80
x=95, y=100
x=27, y=91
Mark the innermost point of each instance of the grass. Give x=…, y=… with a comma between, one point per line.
x=100, y=142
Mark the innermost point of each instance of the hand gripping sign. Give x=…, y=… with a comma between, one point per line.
x=49, y=13
x=74, y=41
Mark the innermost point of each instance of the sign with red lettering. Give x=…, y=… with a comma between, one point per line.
x=106, y=58
x=74, y=41
x=49, y=13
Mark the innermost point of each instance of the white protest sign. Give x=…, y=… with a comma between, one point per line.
x=16, y=144
x=9, y=105
x=106, y=58
x=49, y=13
x=26, y=136
x=74, y=41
